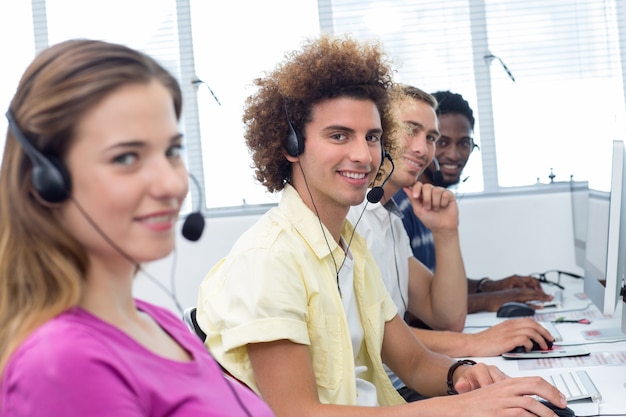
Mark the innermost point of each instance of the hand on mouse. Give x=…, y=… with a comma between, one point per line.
x=508, y=397
x=506, y=336
x=491, y=301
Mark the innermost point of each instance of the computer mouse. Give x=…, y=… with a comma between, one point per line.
x=522, y=349
x=515, y=309
x=561, y=412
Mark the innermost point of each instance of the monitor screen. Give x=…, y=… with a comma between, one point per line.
x=605, y=249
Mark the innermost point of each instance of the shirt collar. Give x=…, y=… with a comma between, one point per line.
x=392, y=207
x=306, y=222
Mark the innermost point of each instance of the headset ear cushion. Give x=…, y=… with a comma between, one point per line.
x=294, y=145
x=383, y=151
x=51, y=180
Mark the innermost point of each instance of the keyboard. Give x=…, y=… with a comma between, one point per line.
x=575, y=385
x=557, y=301
x=553, y=330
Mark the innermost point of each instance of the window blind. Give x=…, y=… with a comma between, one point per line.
x=557, y=109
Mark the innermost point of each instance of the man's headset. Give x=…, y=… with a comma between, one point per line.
x=52, y=182
x=437, y=175
x=294, y=146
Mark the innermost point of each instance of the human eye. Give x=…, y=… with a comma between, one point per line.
x=442, y=142
x=431, y=138
x=466, y=144
x=126, y=159
x=372, y=138
x=339, y=137
x=174, y=151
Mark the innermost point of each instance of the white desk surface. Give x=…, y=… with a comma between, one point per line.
x=606, y=365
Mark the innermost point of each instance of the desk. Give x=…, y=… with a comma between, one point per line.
x=610, y=379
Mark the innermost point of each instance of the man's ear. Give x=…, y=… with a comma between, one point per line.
x=290, y=158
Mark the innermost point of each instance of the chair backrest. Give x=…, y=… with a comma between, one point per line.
x=189, y=317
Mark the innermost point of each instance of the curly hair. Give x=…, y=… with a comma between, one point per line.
x=326, y=67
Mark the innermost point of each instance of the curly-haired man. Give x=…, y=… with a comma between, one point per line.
x=297, y=310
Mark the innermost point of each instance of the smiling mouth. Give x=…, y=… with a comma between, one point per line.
x=162, y=218
x=353, y=175
x=451, y=167
x=414, y=165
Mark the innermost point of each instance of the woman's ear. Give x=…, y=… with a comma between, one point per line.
x=43, y=202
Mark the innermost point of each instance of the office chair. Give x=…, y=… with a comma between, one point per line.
x=189, y=317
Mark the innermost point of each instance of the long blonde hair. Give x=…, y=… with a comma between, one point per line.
x=42, y=266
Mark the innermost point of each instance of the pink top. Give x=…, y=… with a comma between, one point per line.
x=78, y=365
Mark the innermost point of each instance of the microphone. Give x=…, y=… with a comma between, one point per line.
x=437, y=175
x=193, y=225
x=376, y=193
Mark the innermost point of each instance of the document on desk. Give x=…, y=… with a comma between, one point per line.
x=604, y=334
x=591, y=314
x=593, y=359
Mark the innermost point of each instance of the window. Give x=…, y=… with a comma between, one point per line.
x=566, y=105
x=431, y=44
x=235, y=42
x=559, y=109
x=16, y=23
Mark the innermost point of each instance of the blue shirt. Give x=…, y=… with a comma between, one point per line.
x=420, y=236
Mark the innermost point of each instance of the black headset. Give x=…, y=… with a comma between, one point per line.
x=49, y=176
x=51, y=180
x=294, y=144
x=437, y=175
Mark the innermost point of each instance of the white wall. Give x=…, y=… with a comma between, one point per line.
x=526, y=231
x=191, y=261
x=523, y=230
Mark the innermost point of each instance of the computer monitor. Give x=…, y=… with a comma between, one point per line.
x=579, y=193
x=605, y=249
x=596, y=246
x=623, y=301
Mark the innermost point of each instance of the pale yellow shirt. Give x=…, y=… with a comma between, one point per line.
x=279, y=282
